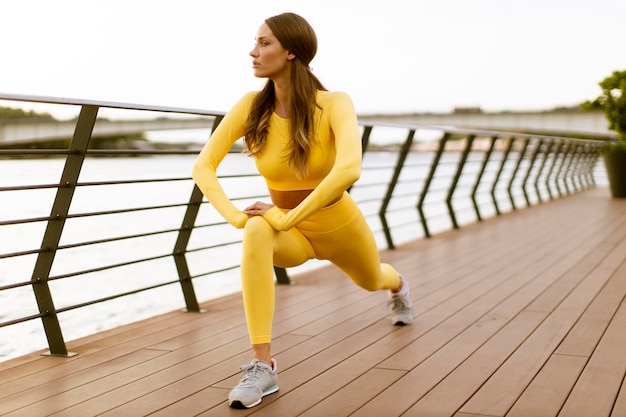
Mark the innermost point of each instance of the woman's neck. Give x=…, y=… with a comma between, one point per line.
x=281, y=100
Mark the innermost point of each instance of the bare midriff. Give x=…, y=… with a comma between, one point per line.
x=291, y=199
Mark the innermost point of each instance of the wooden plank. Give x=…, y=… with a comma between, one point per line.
x=615, y=259
x=597, y=388
x=163, y=394
x=176, y=322
x=586, y=333
x=546, y=394
x=400, y=397
x=546, y=268
x=467, y=379
x=143, y=385
x=548, y=391
x=619, y=408
x=99, y=396
x=387, y=344
x=499, y=393
x=332, y=371
x=195, y=403
x=181, y=332
x=115, y=349
x=348, y=399
x=73, y=380
x=149, y=384
x=134, y=336
x=531, y=278
x=470, y=415
x=303, y=365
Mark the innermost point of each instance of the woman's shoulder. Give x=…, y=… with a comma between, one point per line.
x=249, y=96
x=245, y=103
x=333, y=98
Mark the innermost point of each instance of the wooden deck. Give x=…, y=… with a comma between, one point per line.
x=521, y=315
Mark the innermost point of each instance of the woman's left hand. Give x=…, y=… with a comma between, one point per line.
x=257, y=209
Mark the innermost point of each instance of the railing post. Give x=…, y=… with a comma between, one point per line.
x=433, y=168
x=365, y=138
x=555, y=158
x=509, y=188
x=567, y=174
x=587, y=169
x=505, y=159
x=404, y=151
x=587, y=165
x=592, y=159
x=529, y=171
x=574, y=168
x=558, y=172
x=54, y=229
x=180, y=250
x=455, y=179
x=583, y=166
x=180, y=247
x=282, y=277
x=544, y=160
x=483, y=167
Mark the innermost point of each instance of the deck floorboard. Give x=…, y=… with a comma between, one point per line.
x=521, y=315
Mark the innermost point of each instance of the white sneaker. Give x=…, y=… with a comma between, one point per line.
x=258, y=380
x=401, y=306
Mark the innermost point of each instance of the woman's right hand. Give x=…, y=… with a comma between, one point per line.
x=257, y=209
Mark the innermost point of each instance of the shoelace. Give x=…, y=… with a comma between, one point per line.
x=398, y=303
x=250, y=373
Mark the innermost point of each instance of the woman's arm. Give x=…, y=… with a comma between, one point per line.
x=345, y=171
x=204, y=171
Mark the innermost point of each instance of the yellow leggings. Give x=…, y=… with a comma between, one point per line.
x=338, y=233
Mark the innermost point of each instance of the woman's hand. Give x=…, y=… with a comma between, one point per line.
x=257, y=209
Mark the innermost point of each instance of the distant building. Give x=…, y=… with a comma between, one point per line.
x=467, y=110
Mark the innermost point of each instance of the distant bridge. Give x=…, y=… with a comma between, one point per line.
x=23, y=131
x=565, y=122
x=591, y=124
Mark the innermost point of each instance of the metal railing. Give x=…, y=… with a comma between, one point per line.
x=431, y=179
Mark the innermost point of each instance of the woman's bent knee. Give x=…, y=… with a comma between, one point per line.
x=257, y=226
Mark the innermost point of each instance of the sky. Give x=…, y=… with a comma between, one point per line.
x=390, y=56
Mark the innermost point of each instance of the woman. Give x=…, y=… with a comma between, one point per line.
x=306, y=144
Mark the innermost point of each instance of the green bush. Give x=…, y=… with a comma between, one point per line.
x=612, y=102
x=9, y=113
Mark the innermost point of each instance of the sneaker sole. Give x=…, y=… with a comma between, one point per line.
x=239, y=405
x=400, y=322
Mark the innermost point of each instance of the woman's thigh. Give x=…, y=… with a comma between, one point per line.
x=292, y=248
x=353, y=249
x=341, y=235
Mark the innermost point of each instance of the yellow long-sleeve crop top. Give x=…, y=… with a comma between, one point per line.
x=333, y=166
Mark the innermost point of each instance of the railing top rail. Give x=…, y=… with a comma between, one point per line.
x=106, y=104
x=477, y=132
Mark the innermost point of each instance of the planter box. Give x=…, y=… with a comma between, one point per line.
x=615, y=164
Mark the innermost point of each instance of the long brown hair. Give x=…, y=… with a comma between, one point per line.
x=296, y=35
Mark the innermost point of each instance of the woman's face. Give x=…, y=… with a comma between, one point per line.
x=269, y=58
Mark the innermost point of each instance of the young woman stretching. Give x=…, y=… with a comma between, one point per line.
x=306, y=144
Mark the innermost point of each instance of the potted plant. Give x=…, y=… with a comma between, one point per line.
x=612, y=102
